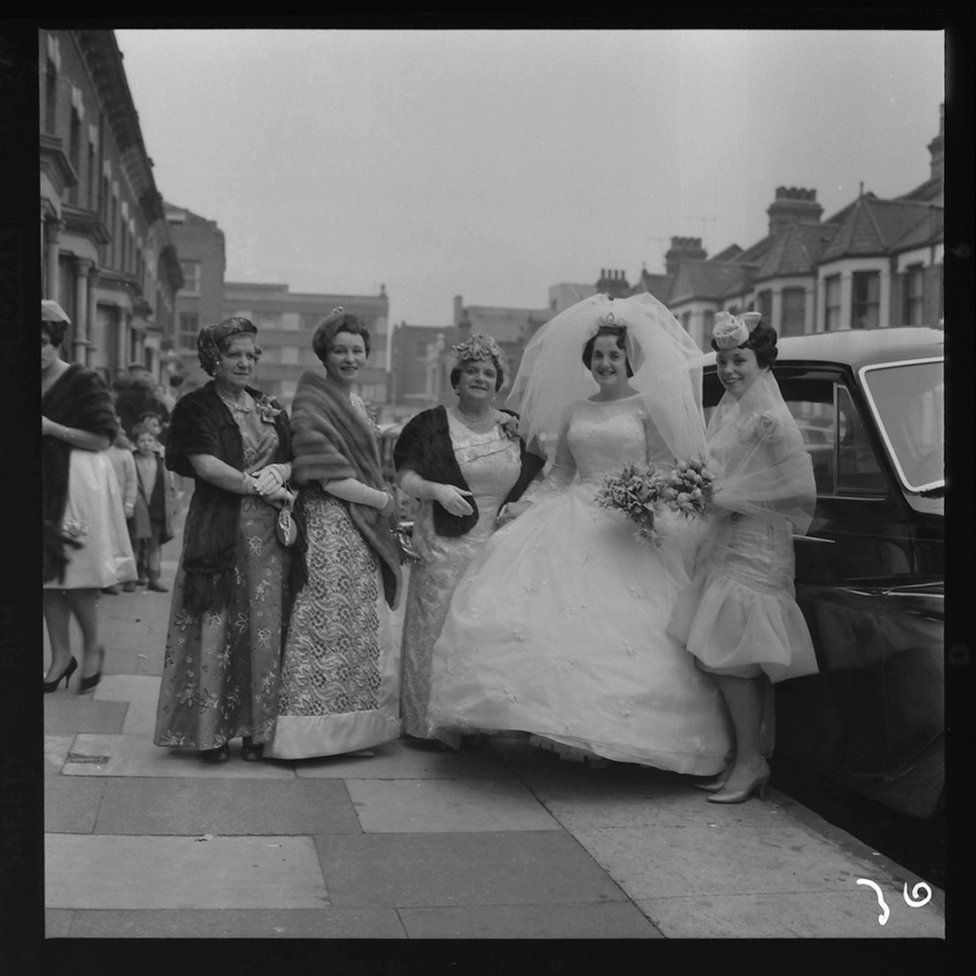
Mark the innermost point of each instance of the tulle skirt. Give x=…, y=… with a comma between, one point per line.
x=558, y=629
x=740, y=608
x=94, y=516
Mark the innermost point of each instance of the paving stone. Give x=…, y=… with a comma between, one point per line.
x=739, y=859
x=135, y=755
x=401, y=760
x=56, y=749
x=142, y=694
x=787, y=915
x=57, y=923
x=225, y=806
x=71, y=804
x=113, y=872
x=295, y=923
x=412, y=806
x=456, y=869
x=77, y=713
x=613, y=920
x=645, y=798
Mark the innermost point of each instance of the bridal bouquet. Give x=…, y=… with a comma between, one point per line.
x=687, y=489
x=635, y=490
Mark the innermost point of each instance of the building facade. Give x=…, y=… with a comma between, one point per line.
x=201, y=252
x=106, y=255
x=286, y=322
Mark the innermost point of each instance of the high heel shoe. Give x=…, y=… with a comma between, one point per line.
x=66, y=673
x=758, y=785
x=714, y=784
x=86, y=684
x=251, y=752
x=219, y=755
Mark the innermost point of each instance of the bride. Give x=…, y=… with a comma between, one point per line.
x=557, y=628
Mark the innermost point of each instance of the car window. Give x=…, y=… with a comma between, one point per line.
x=909, y=401
x=844, y=461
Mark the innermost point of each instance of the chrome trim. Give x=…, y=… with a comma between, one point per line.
x=812, y=538
x=879, y=423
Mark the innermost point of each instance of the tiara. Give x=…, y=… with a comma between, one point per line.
x=731, y=330
x=610, y=321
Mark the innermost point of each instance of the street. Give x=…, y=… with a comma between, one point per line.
x=501, y=842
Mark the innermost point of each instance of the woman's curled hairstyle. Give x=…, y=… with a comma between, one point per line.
x=620, y=331
x=54, y=331
x=214, y=340
x=338, y=320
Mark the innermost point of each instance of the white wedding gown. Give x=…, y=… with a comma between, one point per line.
x=558, y=626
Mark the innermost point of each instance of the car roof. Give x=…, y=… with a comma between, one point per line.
x=860, y=347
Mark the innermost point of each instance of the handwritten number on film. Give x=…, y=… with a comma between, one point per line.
x=913, y=901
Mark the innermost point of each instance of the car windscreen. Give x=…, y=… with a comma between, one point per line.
x=908, y=401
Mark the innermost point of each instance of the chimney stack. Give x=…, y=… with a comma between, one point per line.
x=793, y=202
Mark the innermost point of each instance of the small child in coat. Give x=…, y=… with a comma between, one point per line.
x=152, y=519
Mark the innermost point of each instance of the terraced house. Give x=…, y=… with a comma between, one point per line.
x=875, y=263
x=106, y=253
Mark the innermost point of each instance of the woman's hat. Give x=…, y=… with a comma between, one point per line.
x=51, y=311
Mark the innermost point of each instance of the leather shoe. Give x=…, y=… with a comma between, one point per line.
x=157, y=587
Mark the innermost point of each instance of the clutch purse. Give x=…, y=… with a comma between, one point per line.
x=285, y=527
x=405, y=547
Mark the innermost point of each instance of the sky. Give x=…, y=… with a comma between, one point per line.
x=492, y=164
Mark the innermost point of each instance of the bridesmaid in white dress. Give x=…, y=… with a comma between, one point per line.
x=464, y=463
x=558, y=626
x=740, y=617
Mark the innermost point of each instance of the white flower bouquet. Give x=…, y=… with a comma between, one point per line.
x=687, y=489
x=634, y=490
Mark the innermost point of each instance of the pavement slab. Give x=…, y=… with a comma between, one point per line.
x=66, y=712
x=56, y=749
x=431, y=806
x=135, y=755
x=401, y=759
x=293, y=923
x=457, y=869
x=142, y=694
x=225, y=807
x=793, y=915
x=71, y=805
x=57, y=923
x=125, y=872
x=742, y=860
x=611, y=920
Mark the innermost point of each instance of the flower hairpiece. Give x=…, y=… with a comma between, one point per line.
x=731, y=330
x=478, y=347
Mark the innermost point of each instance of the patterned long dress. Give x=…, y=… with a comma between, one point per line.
x=490, y=465
x=339, y=682
x=220, y=667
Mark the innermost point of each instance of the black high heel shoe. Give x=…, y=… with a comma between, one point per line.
x=219, y=755
x=88, y=683
x=66, y=673
x=251, y=752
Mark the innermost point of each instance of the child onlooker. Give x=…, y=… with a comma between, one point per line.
x=124, y=465
x=152, y=522
x=153, y=422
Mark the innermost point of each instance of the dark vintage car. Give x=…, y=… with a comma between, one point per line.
x=869, y=572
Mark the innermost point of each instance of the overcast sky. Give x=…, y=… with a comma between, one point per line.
x=492, y=164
